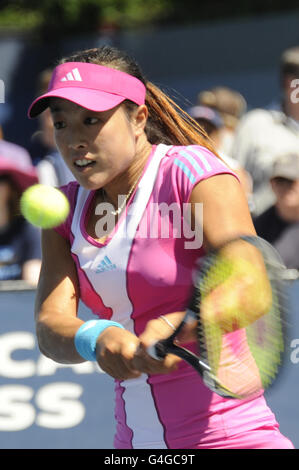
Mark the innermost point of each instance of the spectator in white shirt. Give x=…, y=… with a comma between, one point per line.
x=264, y=134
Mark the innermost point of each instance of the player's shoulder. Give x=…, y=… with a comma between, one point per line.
x=193, y=160
x=70, y=189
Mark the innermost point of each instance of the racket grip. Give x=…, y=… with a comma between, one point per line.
x=157, y=351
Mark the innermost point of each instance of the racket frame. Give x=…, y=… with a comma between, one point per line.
x=165, y=346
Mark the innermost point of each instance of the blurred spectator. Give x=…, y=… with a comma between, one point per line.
x=20, y=252
x=264, y=134
x=212, y=122
x=231, y=106
x=51, y=169
x=5, y=114
x=279, y=224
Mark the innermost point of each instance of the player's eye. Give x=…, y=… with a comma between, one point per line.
x=59, y=124
x=91, y=120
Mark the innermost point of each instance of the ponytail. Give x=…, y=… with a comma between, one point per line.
x=171, y=125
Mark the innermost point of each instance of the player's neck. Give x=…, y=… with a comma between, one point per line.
x=124, y=183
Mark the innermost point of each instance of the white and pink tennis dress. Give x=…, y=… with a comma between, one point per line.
x=143, y=270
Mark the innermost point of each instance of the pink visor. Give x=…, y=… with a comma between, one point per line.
x=91, y=86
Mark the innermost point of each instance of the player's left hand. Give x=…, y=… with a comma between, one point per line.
x=156, y=330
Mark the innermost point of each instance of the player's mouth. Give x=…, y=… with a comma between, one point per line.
x=83, y=163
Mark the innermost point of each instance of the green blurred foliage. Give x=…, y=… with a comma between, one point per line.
x=69, y=16
x=50, y=18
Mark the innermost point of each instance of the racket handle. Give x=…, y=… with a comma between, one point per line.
x=157, y=350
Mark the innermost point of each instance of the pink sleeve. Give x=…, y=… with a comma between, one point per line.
x=70, y=190
x=192, y=164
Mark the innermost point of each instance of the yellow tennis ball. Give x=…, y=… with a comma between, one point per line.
x=44, y=206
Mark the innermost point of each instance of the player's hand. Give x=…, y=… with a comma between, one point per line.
x=155, y=330
x=115, y=351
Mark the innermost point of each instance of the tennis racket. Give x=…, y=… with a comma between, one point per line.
x=239, y=302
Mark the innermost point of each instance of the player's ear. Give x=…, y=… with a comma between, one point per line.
x=139, y=119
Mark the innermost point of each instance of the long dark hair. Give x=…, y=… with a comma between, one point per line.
x=167, y=122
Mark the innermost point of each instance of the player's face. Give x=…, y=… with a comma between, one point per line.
x=96, y=146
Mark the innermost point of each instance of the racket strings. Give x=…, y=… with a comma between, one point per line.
x=243, y=359
x=265, y=338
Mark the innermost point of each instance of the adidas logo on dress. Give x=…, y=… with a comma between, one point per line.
x=105, y=265
x=74, y=75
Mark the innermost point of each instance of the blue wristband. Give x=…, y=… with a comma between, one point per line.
x=87, y=335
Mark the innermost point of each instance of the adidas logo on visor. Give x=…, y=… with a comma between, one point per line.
x=74, y=75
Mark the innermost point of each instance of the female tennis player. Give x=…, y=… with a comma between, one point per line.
x=134, y=154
